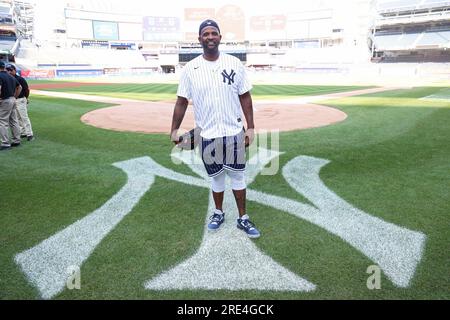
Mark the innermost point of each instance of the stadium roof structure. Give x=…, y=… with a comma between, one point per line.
x=396, y=7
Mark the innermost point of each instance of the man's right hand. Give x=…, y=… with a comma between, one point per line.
x=174, y=137
x=178, y=115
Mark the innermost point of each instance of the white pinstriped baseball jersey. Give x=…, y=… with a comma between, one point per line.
x=214, y=87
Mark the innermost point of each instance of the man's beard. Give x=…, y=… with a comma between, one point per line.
x=211, y=50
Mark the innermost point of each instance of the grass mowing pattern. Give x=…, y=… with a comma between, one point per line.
x=163, y=91
x=389, y=158
x=443, y=94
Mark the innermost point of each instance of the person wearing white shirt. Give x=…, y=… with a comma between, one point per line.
x=219, y=88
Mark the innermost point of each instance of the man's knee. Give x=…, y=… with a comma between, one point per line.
x=218, y=183
x=237, y=180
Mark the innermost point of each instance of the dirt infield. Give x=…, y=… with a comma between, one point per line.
x=58, y=85
x=156, y=117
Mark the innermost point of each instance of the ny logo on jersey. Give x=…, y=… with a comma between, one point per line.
x=229, y=77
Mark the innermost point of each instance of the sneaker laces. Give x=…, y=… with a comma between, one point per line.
x=216, y=217
x=247, y=224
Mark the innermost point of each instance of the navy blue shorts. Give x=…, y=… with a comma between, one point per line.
x=223, y=153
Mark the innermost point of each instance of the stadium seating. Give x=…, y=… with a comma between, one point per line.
x=101, y=58
x=435, y=39
x=412, y=31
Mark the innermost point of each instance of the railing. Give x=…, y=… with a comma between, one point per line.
x=419, y=17
x=410, y=6
x=411, y=41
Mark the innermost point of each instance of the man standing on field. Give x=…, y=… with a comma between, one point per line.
x=219, y=88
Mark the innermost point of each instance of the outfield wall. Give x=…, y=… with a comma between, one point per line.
x=347, y=74
x=399, y=74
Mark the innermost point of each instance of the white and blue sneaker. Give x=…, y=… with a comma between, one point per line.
x=216, y=220
x=246, y=225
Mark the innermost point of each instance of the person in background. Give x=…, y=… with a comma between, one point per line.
x=26, y=130
x=9, y=90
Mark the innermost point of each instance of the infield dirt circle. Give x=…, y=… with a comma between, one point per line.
x=156, y=117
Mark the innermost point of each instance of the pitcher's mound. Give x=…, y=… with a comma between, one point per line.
x=152, y=117
x=156, y=117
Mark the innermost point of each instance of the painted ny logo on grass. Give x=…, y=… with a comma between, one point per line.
x=241, y=265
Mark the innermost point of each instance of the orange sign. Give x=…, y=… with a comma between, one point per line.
x=231, y=20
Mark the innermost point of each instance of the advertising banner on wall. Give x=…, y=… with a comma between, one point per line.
x=268, y=23
x=38, y=74
x=95, y=44
x=268, y=26
x=161, y=28
x=123, y=45
x=79, y=72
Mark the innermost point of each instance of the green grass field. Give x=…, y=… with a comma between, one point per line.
x=163, y=91
x=390, y=158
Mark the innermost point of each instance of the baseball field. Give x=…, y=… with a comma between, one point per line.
x=356, y=210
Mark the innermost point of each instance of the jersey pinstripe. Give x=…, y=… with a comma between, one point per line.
x=214, y=88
